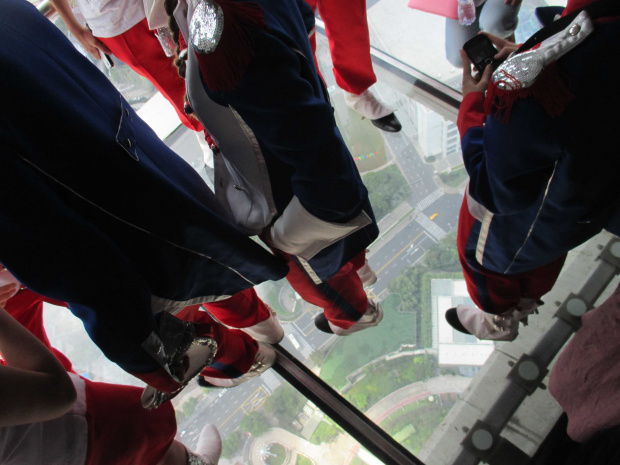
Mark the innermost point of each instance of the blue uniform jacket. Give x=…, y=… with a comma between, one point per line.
x=96, y=211
x=545, y=185
x=283, y=101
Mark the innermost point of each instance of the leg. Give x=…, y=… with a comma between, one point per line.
x=208, y=450
x=140, y=49
x=503, y=300
x=342, y=297
x=346, y=26
x=120, y=431
x=238, y=357
x=235, y=349
x=499, y=19
x=246, y=311
x=457, y=35
x=493, y=292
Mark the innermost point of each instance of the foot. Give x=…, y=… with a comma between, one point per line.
x=269, y=330
x=321, y=323
x=504, y=327
x=264, y=359
x=367, y=105
x=388, y=123
x=372, y=317
x=208, y=449
x=471, y=320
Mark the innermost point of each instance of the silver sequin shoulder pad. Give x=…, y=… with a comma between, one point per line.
x=206, y=26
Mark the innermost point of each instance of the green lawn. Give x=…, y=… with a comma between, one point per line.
x=414, y=424
x=454, y=178
x=303, y=460
x=352, y=352
x=279, y=454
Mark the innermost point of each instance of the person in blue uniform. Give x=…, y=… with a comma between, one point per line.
x=540, y=152
x=282, y=168
x=97, y=211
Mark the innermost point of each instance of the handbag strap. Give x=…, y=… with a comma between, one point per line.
x=595, y=10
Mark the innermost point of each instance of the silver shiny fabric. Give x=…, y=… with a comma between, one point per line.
x=153, y=398
x=206, y=26
x=519, y=71
x=193, y=459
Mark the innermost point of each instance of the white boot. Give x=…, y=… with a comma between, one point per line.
x=504, y=327
x=367, y=275
x=269, y=330
x=372, y=317
x=208, y=449
x=367, y=105
x=264, y=359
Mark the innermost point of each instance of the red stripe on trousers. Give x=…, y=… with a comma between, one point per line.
x=346, y=282
x=504, y=290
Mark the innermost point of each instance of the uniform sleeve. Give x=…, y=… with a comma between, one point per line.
x=57, y=253
x=282, y=100
x=509, y=164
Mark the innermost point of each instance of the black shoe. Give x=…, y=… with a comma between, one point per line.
x=388, y=123
x=322, y=324
x=204, y=383
x=453, y=320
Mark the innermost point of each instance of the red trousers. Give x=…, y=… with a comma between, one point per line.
x=121, y=431
x=236, y=350
x=342, y=297
x=346, y=26
x=495, y=292
x=140, y=49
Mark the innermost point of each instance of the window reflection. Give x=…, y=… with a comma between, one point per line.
x=418, y=38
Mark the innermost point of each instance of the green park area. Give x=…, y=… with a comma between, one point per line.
x=275, y=454
x=359, y=368
x=413, y=425
x=407, y=316
x=303, y=460
x=387, y=189
x=381, y=379
x=455, y=177
x=351, y=353
x=326, y=432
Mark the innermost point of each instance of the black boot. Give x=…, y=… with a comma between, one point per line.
x=322, y=324
x=388, y=123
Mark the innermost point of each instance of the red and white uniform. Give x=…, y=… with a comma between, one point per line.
x=346, y=26
x=122, y=26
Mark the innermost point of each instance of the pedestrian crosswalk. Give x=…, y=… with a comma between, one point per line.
x=429, y=199
x=430, y=226
x=271, y=380
x=408, y=126
x=304, y=347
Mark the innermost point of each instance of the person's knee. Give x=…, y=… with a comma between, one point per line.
x=501, y=22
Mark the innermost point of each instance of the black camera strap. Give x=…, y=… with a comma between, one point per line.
x=595, y=10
